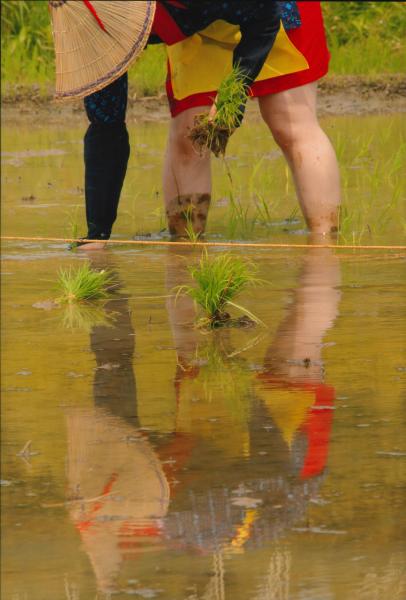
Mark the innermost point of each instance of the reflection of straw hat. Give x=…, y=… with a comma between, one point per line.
x=96, y=41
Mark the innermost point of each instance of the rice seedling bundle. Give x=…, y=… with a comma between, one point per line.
x=213, y=134
x=218, y=280
x=84, y=284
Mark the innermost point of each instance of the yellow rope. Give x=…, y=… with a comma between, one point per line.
x=8, y=238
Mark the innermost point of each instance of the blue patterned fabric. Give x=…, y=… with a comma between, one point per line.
x=290, y=15
x=109, y=105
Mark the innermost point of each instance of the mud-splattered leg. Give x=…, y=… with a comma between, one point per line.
x=187, y=178
x=185, y=211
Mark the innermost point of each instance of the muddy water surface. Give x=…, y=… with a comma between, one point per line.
x=143, y=458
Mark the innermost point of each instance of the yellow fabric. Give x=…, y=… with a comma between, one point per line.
x=199, y=63
x=288, y=408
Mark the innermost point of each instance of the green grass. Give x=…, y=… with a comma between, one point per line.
x=218, y=280
x=191, y=234
x=373, y=190
x=365, y=38
x=147, y=77
x=83, y=284
x=26, y=42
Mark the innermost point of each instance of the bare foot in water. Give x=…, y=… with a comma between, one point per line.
x=91, y=246
x=88, y=246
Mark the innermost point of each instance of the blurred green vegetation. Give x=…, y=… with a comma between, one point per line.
x=365, y=38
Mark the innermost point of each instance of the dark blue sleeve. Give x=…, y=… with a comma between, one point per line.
x=258, y=34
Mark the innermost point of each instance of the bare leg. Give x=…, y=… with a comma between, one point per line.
x=187, y=177
x=291, y=117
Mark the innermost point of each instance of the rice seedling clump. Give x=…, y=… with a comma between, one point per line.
x=213, y=134
x=84, y=284
x=218, y=281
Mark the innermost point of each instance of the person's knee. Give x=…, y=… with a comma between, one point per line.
x=285, y=135
x=291, y=116
x=180, y=143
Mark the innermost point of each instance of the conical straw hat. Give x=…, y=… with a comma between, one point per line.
x=96, y=41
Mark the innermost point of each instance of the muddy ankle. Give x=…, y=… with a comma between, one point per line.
x=188, y=211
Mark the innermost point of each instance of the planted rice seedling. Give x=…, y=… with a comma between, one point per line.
x=84, y=284
x=191, y=234
x=218, y=281
x=240, y=223
x=263, y=210
x=213, y=134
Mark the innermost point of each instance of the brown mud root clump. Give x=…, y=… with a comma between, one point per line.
x=188, y=209
x=223, y=319
x=207, y=134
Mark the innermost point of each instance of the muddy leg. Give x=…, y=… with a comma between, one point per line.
x=187, y=177
x=188, y=209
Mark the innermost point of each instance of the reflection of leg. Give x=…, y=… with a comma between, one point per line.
x=106, y=153
x=181, y=310
x=114, y=385
x=291, y=117
x=295, y=351
x=187, y=178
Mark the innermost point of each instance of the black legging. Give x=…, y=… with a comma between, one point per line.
x=106, y=153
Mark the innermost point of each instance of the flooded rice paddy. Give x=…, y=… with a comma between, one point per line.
x=143, y=458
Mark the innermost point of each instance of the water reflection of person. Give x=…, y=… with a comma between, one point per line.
x=118, y=490
x=204, y=488
x=291, y=386
x=277, y=453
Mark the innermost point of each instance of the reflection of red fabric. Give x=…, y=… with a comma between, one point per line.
x=318, y=428
x=318, y=423
x=97, y=505
x=128, y=529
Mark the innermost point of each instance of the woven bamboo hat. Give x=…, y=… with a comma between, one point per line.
x=96, y=41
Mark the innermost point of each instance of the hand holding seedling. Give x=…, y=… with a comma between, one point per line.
x=213, y=131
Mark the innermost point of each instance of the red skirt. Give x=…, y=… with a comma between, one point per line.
x=309, y=39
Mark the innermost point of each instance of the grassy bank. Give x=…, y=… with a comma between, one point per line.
x=365, y=38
